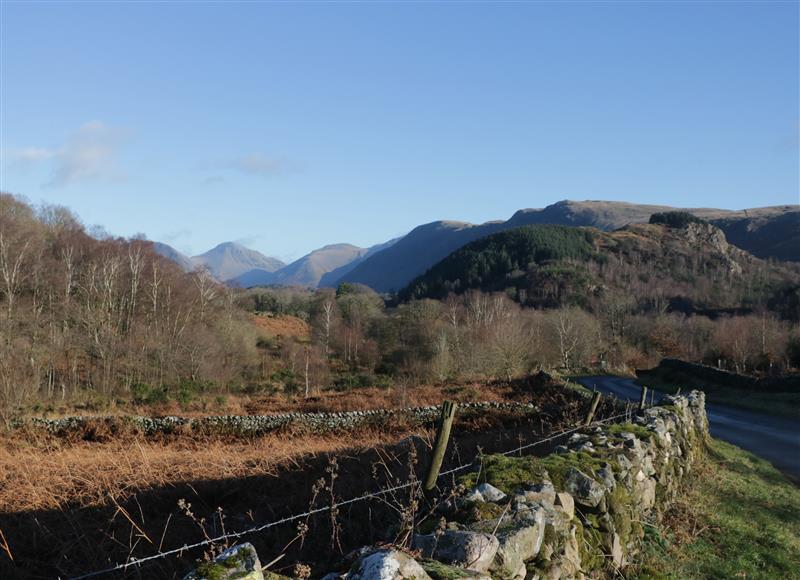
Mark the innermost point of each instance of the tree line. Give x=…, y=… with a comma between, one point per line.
x=86, y=316
x=82, y=313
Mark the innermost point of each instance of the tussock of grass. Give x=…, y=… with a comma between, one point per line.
x=738, y=518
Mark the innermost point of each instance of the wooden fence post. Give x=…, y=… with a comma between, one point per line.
x=643, y=400
x=440, y=445
x=592, y=407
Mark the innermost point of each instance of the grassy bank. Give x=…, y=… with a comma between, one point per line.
x=738, y=517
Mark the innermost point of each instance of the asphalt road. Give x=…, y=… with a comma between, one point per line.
x=774, y=438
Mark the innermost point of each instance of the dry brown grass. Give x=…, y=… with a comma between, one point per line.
x=40, y=471
x=53, y=474
x=326, y=401
x=282, y=326
x=69, y=505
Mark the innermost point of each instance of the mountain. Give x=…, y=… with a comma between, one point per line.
x=306, y=271
x=690, y=268
x=394, y=267
x=229, y=260
x=331, y=279
x=184, y=261
x=766, y=235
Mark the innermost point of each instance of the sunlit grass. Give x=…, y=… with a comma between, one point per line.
x=739, y=517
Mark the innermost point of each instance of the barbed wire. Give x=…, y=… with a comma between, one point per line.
x=260, y=528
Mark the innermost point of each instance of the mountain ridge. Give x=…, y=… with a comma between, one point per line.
x=767, y=232
x=692, y=268
x=429, y=243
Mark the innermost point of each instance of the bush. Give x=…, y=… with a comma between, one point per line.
x=147, y=394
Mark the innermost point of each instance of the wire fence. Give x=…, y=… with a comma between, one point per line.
x=136, y=562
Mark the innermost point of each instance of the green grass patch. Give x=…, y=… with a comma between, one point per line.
x=439, y=571
x=638, y=430
x=738, y=517
x=511, y=473
x=219, y=570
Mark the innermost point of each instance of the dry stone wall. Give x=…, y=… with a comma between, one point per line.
x=261, y=424
x=579, y=512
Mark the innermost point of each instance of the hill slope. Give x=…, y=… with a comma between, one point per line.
x=765, y=235
x=185, y=262
x=331, y=279
x=424, y=246
x=690, y=268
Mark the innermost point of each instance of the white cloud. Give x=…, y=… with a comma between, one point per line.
x=89, y=154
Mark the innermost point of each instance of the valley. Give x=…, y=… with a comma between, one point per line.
x=162, y=403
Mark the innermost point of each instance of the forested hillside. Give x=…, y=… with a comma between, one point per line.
x=678, y=263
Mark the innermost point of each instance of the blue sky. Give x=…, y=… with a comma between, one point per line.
x=287, y=126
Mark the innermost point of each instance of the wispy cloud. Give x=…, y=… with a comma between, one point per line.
x=262, y=165
x=88, y=154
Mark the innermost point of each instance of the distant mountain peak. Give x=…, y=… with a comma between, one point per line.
x=228, y=260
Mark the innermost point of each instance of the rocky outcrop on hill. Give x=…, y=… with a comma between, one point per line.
x=707, y=235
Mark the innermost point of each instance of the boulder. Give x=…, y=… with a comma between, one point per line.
x=543, y=493
x=474, y=496
x=520, y=541
x=606, y=475
x=387, y=564
x=462, y=548
x=490, y=492
x=240, y=562
x=566, y=503
x=617, y=555
x=585, y=490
